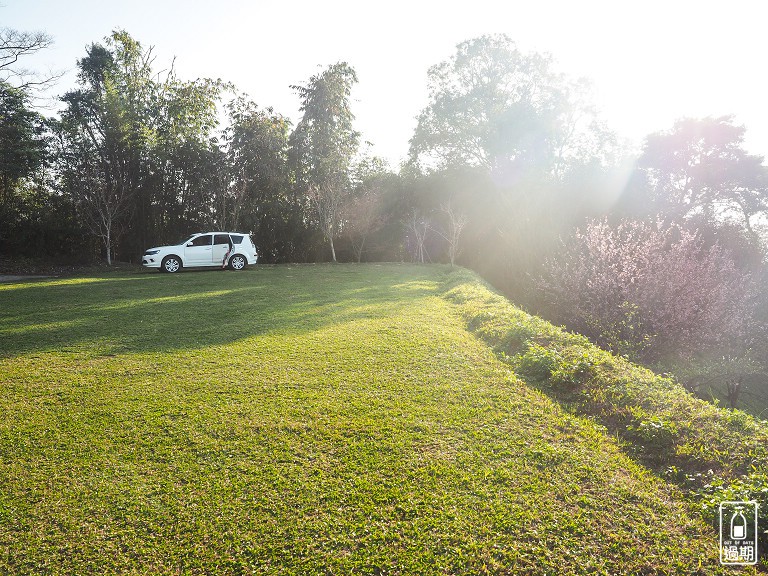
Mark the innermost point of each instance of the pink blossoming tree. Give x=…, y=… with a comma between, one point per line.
x=652, y=293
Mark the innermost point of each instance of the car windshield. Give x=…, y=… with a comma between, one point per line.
x=185, y=240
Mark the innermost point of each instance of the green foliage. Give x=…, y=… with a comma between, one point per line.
x=22, y=146
x=565, y=368
x=137, y=154
x=751, y=487
x=663, y=422
x=38, y=221
x=495, y=107
x=323, y=144
x=700, y=167
x=32, y=217
x=324, y=141
x=653, y=434
x=304, y=420
x=625, y=335
x=518, y=149
x=369, y=207
x=538, y=363
x=260, y=196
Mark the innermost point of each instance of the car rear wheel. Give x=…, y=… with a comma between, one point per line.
x=170, y=264
x=237, y=262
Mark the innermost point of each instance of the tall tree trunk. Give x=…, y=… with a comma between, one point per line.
x=333, y=250
x=108, y=242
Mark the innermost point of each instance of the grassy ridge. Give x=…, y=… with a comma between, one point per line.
x=713, y=453
x=303, y=420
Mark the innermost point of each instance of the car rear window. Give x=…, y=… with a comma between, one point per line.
x=236, y=239
x=221, y=239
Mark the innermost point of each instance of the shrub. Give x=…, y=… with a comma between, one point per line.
x=649, y=292
x=667, y=427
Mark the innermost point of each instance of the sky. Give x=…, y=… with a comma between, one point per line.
x=651, y=62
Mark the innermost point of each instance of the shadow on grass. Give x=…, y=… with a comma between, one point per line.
x=154, y=312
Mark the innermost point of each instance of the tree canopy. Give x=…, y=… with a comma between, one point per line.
x=137, y=154
x=700, y=167
x=22, y=142
x=495, y=107
x=324, y=143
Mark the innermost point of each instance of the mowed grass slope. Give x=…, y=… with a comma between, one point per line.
x=302, y=420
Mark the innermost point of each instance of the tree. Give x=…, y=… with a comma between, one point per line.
x=22, y=141
x=35, y=219
x=101, y=202
x=452, y=234
x=323, y=145
x=103, y=133
x=22, y=147
x=495, y=107
x=518, y=148
x=259, y=182
x=14, y=45
x=363, y=213
x=146, y=147
x=184, y=169
x=257, y=144
x=417, y=227
x=652, y=292
x=361, y=217
x=700, y=167
x=697, y=175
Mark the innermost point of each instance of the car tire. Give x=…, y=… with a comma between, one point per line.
x=170, y=264
x=237, y=262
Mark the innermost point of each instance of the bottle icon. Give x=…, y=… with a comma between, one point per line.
x=738, y=526
x=738, y=541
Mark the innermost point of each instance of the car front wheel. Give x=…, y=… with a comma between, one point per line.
x=170, y=264
x=237, y=262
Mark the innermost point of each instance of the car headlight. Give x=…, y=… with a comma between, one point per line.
x=151, y=252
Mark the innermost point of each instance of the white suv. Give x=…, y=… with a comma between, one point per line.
x=204, y=249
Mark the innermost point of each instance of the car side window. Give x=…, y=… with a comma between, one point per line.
x=237, y=239
x=221, y=239
x=204, y=240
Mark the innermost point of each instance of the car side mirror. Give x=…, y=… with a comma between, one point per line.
x=189, y=244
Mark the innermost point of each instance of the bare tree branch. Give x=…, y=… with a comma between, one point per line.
x=417, y=226
x=14, y=45
x=456, y=223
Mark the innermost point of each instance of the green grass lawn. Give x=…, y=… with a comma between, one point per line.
x=302, y=420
